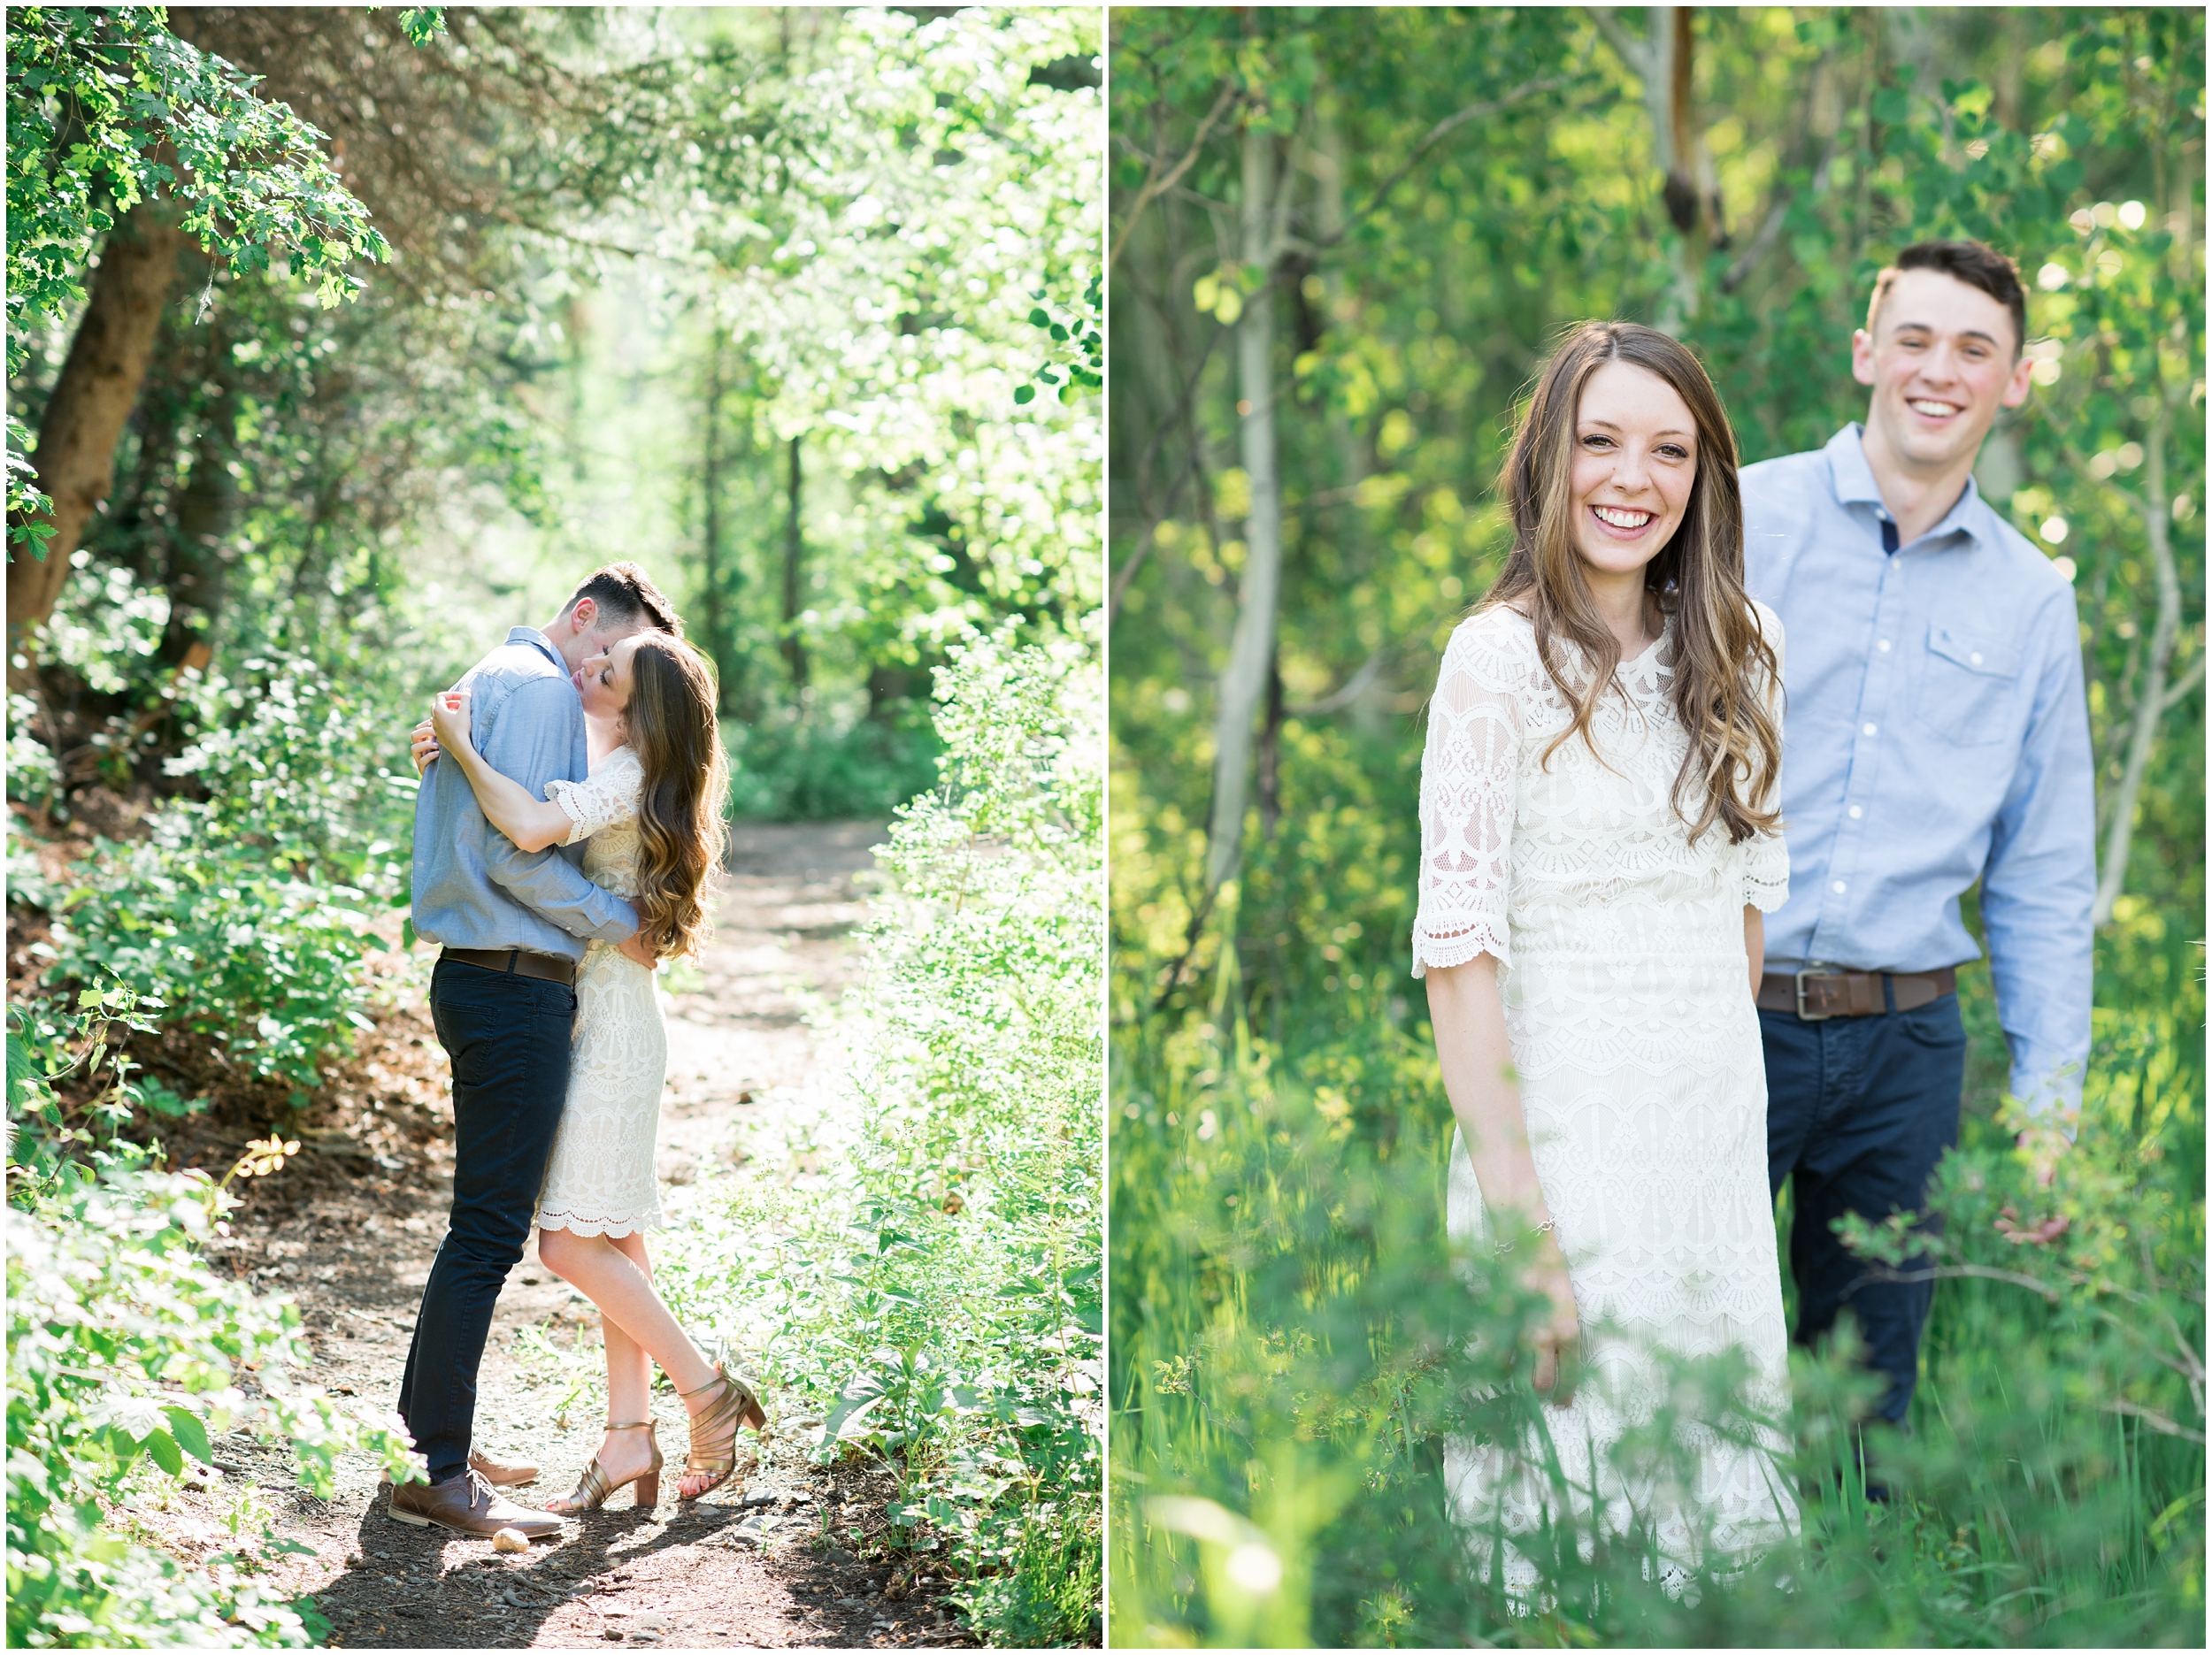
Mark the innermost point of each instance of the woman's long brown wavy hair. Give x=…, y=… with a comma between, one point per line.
x=1721, y=660
x=670, y=725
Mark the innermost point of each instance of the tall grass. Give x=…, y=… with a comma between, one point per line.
x=1292, y=1344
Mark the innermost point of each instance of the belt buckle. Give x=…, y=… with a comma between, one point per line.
x=1810, y=1016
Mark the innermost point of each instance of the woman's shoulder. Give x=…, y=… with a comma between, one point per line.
x=621, y=771
x=1498, y=631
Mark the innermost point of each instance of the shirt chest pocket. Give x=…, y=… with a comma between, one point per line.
x=1968, y=684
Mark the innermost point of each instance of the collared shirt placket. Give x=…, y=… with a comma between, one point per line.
x=1877, y=696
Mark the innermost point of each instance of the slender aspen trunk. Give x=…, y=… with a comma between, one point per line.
x=1252, y=649
x=99, y=384
x=711, y=606
x=793, y=646
x=2151, y=700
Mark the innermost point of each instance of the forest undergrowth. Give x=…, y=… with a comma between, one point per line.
x=1294, y=1340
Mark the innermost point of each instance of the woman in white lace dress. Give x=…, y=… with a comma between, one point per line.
x=649, y=815
x=1599, y=842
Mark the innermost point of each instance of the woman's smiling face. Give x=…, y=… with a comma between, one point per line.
x=604, y=679
x=1635, y=464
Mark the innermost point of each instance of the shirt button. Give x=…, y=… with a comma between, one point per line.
x=1867, y=729
x=1857, y=812
x=1838, y=887
x=1882, y=645
x=1975, y=660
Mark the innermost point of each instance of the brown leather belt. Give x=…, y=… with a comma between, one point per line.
x=521, y=962
x=1817, y=995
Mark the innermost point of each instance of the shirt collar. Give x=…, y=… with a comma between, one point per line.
x=536, y=640
x=1854, y=485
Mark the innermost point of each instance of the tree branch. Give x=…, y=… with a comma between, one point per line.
x=2150, y=701
x=1633, y=52
x=1158, y=184
x=1442, y=129
x=1352, y=690
x=2179, y=689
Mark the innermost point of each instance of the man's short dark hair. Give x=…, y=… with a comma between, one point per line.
x=1973, y=263
x=625, y=596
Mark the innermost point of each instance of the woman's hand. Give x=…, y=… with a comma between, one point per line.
x=424, y=747
x=635, y=949
x=450, y=718
x=1559, y=1340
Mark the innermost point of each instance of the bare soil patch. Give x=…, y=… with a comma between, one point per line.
x=350, y=1231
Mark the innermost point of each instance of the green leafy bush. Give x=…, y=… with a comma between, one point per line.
x=245, y=913
x=941, y=1304
x=785, y=770
x=127, y=1354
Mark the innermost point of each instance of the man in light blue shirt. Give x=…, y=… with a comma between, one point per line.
x=1935, y=735
x=511, y=926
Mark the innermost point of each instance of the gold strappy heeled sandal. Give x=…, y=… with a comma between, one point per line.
x=736, y=1407
x=593, y=1488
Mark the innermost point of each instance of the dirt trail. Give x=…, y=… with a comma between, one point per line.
x=756, y=1563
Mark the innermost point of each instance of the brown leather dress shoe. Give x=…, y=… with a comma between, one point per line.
x=500, y=1476
x=467, y=1506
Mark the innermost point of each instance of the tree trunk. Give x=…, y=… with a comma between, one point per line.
x=2151, y=699
x=794, y=646
x=99, y=383
x=1673, y=45
x=199, y=567
x=724, y=658
x=1253, y=647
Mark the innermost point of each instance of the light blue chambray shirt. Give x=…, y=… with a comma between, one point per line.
x=472, y=888
x=1936, y=734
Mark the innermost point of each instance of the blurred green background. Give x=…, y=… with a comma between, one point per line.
x=1366, y=225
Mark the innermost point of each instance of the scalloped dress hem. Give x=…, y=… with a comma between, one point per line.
x=615, y=1229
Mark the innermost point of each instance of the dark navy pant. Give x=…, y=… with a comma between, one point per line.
x=507, y=1039
x=1859, y=1111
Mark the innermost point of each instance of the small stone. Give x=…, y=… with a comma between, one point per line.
x=511, y=1540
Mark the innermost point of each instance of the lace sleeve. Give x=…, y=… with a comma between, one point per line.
x=1766, y=856
x=608, y=796
x=1468, y=773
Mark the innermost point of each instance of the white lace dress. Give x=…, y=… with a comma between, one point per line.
x=601, y=1180
x=1628, y=1011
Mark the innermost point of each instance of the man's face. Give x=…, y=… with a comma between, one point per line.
x=585, y=632
x=1942, y=360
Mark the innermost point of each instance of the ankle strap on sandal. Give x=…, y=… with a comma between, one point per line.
x=720, y=1378
x=634, y=1425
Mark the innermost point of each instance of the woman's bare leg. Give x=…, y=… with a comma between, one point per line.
x=615, y=1273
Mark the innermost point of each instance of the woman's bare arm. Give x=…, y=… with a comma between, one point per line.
x=1467, y=1017
x=532, y=824
x=1755, y=945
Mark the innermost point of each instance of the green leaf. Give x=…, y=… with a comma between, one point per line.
x=1024, y=394
x=163, y=1447
x=191, y=1434
x=20, y=1068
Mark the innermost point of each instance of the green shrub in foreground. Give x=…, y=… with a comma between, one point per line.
x=126, y=1353
x=245, y=913
x=940, y=1301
